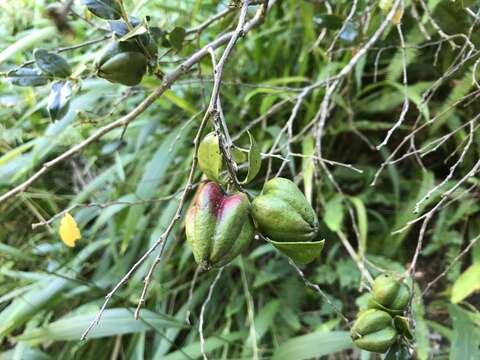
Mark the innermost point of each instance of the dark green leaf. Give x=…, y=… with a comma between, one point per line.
x=106, y=9
x=402, y=326
x=26, y=77
x=52, y=64
x=176, y=37
x=397, y=352
x=59, y=99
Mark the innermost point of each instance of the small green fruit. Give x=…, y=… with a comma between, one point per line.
x=373, y=331
x=122, y=63
x=218, y=227
x=283, y=213
x=390, y=293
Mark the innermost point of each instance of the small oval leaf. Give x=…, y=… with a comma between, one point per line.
x=176, y=37
x=52, y=64
x=59, y=100
x=402, y=326
x=300, y=252
x=105, y=9
x=27, y=77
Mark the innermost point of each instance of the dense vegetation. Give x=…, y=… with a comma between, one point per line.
x=371, y=107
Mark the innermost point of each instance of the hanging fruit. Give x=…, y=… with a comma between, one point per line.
x=123, y=63
x=373, y=331
x=218, y=226
x=389, y=294
x=283, y=214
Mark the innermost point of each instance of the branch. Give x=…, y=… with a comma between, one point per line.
x=144, y=105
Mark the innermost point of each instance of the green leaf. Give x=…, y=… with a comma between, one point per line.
x=313, y=345
x=397, y=352
x=156, y=169
x=176, y=37
x=254, y=160
x=59, y=100
x=114, y=322
x=362, y=221
x=26, y=77
x=334, y=213
x=402, y=326
x=466, y=336
x=180, y=102
x=300, y=252
x=422, y=335
x=105, y=9
x=52, y=64
x=44, y=292
x=466, y=284
x=210, y=159
x=192, y=350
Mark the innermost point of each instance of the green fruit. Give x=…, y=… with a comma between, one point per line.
x=373, y=331
x=122, y=63
x=218, y=227
x=283, y=213
x=390, y=293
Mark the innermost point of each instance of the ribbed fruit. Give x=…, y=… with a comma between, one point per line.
x=218, y=226
x=283, y=213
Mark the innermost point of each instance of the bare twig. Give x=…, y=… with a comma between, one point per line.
x=449, y=267
x=202, y=312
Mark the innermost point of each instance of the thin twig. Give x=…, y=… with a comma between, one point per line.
x=202, y=312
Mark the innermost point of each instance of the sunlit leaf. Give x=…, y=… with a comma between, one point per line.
x=466, y=284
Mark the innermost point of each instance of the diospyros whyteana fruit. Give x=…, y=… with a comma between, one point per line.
x=283, y=213
x=389, y=294
x=218, y=227
x=123, y=63
x=373, y=331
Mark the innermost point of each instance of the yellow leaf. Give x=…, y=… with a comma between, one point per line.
x=397, y=17
x=69, y=231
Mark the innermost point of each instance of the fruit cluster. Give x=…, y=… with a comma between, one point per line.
x=382, y=325
x=220, y=226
